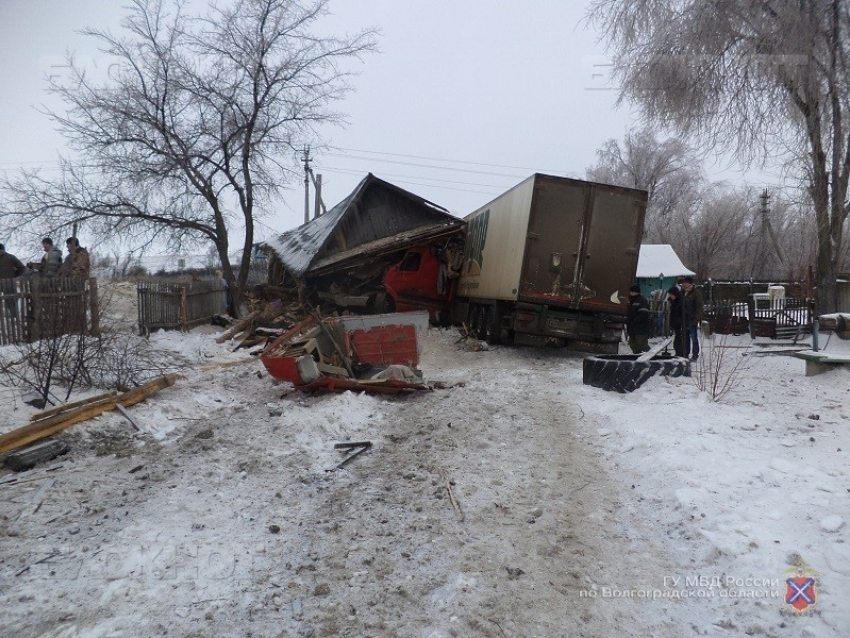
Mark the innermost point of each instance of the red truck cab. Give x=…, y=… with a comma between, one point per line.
x=419, y=280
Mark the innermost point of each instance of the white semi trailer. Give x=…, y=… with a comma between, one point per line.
x=552, y=260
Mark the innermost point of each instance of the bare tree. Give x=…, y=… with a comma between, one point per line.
x=707, y=237
x=667, y=169
x=751, y=75
x=188, y=137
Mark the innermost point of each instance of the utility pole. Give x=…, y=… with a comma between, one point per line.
x=765, y=221
x=306, y=157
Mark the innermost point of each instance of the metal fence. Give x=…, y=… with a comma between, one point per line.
x=32, y=308
x=170, y=305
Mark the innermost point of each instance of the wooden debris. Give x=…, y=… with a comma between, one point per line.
x=66, y=407
x=33, y=455
x=240, y=326
x=452, y=498
x=350, y=444
x=646, y=356
x=54, y=423
x=339, y=350
x=363, y=445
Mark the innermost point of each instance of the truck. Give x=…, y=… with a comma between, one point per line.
x=551, y=261
x=548, y=262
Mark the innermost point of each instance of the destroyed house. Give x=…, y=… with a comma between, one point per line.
x=374, y=225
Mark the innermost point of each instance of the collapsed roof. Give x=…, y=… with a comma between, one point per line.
x=376, y=218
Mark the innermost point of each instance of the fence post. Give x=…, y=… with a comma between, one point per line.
x=183, y=310
x=35, y=324
x=94, y=304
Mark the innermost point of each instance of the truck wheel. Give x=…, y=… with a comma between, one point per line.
x=623, y=373
x=481, y=323
x=488, y=327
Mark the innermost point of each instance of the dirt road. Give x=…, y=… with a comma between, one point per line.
x=231, y=526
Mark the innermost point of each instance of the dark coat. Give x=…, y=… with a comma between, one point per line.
x=693, y=306
x=674, y=299
x=637, y=316
x=10, y=266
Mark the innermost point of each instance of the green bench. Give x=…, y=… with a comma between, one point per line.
x=820, y=362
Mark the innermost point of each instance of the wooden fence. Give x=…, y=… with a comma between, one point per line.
x=36, y=307
x=169, y=305
x=783, y=318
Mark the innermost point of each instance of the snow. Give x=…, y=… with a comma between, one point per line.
x=657, y=513
x=660, y=259
x=298, y=247
x=832, y=523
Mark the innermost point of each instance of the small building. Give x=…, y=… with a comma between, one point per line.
x=658, y=267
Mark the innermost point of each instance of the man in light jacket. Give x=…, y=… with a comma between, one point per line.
x=51, y=261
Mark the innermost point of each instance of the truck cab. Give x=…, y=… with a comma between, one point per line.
x=420, y=280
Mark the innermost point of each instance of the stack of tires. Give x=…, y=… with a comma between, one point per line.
x=624, y=373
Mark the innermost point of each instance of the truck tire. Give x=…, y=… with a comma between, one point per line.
x=623, y=373
x=482, y=323
x=487, y=326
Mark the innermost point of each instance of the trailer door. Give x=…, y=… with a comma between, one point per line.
x=614, y=230
x=553, y=242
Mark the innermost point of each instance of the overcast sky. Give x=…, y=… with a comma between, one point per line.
x=464, y=100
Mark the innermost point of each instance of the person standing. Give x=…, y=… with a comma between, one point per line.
x=77, y=263
x=676, y=306
x=694, y=303
x=10, y=268
x=51, y=261
x=638, y=318
x=658, y=297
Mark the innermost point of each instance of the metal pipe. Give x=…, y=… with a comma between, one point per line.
x=815, y=331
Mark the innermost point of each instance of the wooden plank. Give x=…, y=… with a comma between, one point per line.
x=646, y=356
x=52, y=425
x=329, y=369
x=350, y=444
x=94, y=308
x=35, y=454
x=454, y=501
x=65, y=407
x=241, y=325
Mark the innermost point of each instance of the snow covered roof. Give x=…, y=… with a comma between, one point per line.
x=660, y=259
x=370, y=217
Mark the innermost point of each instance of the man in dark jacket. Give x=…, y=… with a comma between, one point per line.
x=10, y=266
x=676, y=306
x=692, y=299
x=638, y=321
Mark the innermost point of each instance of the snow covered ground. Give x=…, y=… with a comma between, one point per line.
x=585, y=513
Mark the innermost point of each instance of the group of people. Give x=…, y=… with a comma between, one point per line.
x=75, y=264
x=685, y=305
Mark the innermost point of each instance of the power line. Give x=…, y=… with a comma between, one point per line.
x=427, y=179
x=453, y=161
x=412, y=183
x=442, y=168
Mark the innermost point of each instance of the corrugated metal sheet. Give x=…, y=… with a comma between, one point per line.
x=369, y=217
